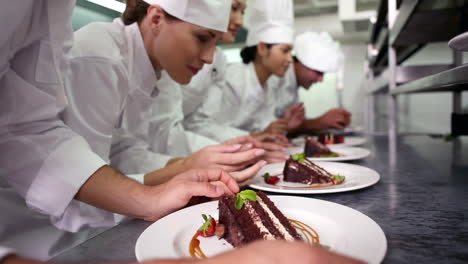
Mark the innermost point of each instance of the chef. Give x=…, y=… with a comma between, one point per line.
x=202, y=98
x=267, y=53
x=316, y=54
x=124, y=70
x=49, y=176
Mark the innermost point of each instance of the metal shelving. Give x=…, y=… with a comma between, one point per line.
x=451, y=80
x=401, y=29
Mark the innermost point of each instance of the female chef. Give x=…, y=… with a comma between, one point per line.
x=113, y=78
x=202, y=98
x=268, y=52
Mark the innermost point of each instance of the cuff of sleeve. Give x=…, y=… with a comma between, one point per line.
x=61, y=176
x=137, y=177
x=5, y=252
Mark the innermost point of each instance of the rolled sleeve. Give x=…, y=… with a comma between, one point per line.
x=64, y=171
x=5, y=252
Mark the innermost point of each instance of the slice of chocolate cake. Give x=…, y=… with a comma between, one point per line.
x=252, y=216
x=314, y=148
x=301, y=170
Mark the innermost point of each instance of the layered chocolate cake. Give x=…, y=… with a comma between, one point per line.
x=315, y=149
x=330, y=138
x=301, y=170
x=252, y=216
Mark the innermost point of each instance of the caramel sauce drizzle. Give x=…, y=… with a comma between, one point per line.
x=311, y=237
x=194, y=248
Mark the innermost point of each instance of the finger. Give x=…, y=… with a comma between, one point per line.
x=281, y=138
x=271, y=146
x=248, y=173
x=276, y=155
x=225, y=188
x=337, y=125
x=224, y=148
x=239, y=157
x=212, y=175
x=207, y=189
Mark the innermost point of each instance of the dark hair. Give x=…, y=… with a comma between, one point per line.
x=295, y=59
x=248, y=53
x=136, y=10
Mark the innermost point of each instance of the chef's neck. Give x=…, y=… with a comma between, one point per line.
x=148, y=41
x=262, y=72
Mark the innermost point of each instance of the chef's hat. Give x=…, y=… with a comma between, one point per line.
x=271, y=21
x=212, y=14
x=318, y=51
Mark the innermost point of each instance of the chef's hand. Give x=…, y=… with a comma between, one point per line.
x=335, y=118
x=295, y=115
x=275, y=147
x=279, y=252
x=272, y=138
x=224, y=156
x=166, y=198
x=277, y=127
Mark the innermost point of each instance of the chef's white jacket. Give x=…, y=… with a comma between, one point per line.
x=245, y=102
x=111, y=85
x=166, y=131
x=202, y=101
x=44, y=163
x=285, y=91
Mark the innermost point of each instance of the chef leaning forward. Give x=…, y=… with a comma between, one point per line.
x=315, y=54
x=113, y=83
x=267, y=53
x=50, y=176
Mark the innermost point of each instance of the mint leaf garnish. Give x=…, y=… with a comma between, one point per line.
x=299, y=157
x=249, y=195
x=206, y=224
x=338, y=178
x=266, y=176
x=332, y=155
x=243, y=196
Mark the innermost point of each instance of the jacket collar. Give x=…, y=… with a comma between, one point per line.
x=142, y=74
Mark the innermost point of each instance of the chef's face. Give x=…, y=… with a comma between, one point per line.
x=306, y=77
x=277, y=58
x=236, y=20
x=179, y=47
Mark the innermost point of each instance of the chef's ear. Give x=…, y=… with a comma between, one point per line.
x=262, y=49
x=156, y=16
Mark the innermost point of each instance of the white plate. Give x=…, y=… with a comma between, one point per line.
x=349, y=141
x=343, y=229
x=348, y=153
x=357, y=177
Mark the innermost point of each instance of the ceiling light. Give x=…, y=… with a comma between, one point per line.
x=110, y=4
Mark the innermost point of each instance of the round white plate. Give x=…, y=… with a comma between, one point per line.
x=348, y=153
x=343, y=229
x=357, y=177
x=349, y=141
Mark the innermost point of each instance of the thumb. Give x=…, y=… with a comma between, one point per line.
x=226, y=148
x=204, y=189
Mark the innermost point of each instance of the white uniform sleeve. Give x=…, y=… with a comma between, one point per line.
x=44, y=161
x=203, y=120
x=114, y=129
x=167, y=133
x=4, y=252
x=130, y=151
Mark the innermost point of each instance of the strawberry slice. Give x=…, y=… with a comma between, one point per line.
x=208, y=228
x=270, y=179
